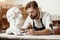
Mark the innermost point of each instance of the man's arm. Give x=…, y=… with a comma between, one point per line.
x=39, y=32
x=26, y=24
x=43, y=32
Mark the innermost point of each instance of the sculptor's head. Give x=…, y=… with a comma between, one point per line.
x=32, y=9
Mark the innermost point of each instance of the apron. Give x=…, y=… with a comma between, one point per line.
x=35, y=28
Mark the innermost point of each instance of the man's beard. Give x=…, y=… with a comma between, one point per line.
x=33, y=17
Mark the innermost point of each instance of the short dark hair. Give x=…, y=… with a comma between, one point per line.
x=31, y=4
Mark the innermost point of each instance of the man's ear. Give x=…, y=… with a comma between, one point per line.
x=37, y=9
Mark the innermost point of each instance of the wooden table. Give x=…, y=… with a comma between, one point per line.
x=3, y=35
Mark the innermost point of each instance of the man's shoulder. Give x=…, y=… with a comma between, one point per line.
x=44, y=13
x=28, y=17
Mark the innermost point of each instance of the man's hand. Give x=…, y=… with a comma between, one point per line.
x=23, y=30
x=31, y=32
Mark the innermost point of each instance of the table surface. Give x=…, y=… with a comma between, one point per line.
x=3, y=35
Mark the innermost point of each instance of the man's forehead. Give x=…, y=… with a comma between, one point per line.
x=30, y=9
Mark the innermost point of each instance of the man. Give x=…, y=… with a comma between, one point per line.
x=39, y=20
x=14, y=18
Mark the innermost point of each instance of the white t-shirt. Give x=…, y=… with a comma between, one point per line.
x=46, y=19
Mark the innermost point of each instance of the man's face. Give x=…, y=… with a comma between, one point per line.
x=32, y=12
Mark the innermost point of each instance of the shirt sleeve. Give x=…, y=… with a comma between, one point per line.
x=48, y=22
x=27, y=23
